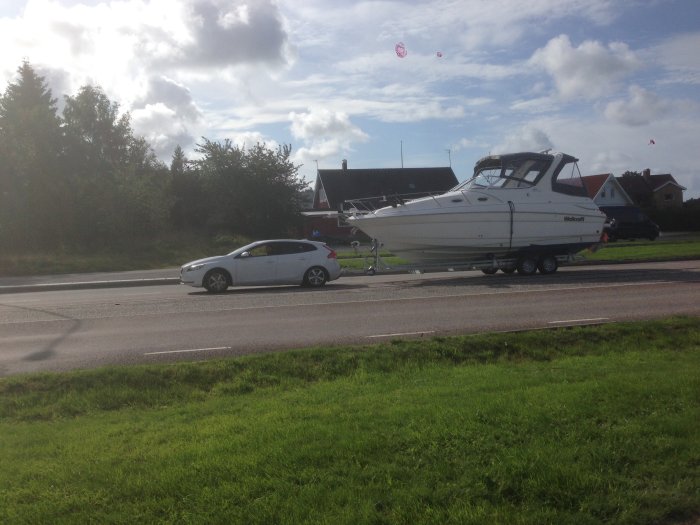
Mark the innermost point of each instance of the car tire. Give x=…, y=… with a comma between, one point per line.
x=216, y=281
x=315, y=277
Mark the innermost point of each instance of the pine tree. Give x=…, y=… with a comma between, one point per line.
x=32, y=186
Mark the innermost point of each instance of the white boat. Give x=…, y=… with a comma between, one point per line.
x=528, y=207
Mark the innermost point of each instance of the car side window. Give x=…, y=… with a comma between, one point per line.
x=261, y=251
x=290, y=248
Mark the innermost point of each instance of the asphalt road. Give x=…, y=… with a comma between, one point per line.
x=82, y=328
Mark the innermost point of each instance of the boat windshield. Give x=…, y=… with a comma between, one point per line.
x=568, y=179
x=502, y=172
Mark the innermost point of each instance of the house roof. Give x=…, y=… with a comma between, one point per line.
x=659, y=181
x=594, y=183
x=640, y=186
x=344, y=184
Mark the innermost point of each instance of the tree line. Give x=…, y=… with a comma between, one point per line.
x=82, y=178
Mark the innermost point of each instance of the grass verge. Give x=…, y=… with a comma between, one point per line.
x=581, y=425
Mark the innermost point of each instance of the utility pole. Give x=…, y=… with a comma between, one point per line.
x=402, y=154
x=449, y=156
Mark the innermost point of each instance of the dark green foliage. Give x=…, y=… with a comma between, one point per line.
x=122, y=190
x=34, y=194
x=251, y=192
x=85, y=181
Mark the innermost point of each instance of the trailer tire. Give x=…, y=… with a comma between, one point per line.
x=508, y=269
x=527, y=265
x=548, y=264
x=489, y=270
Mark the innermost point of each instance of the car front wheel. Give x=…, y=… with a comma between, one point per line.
x=315, y=277
x=215, y=281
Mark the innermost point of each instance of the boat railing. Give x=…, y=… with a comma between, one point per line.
x=370, y=204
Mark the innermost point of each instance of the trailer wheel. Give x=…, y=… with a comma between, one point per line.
x=490, y=270
x=527, y=265
x=548, y=264
x=508, y=269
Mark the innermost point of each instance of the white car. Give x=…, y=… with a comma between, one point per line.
x=281, y=261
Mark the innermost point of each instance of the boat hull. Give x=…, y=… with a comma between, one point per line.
x=461, y=236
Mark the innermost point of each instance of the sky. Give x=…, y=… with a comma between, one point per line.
x=616, y=83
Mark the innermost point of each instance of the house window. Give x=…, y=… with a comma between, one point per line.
x=602, y=195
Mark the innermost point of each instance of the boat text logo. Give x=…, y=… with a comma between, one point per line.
x=569, y=218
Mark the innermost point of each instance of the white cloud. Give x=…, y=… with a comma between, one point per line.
x=588, y=71
x=324, y=133
x=679, y=56
x=641, y=108
x=527, y=138
x=249, y=139
x=162, y=127
x=222, y=34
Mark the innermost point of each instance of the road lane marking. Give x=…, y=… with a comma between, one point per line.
x=591, y=320
x=189, y=350
x=401, y=334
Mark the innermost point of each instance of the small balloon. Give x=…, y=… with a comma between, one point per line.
x=439, y=54
x=400, y=49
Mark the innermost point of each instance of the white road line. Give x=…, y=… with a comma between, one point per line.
x=569, y=321
x=190, y=350
x=400, y=334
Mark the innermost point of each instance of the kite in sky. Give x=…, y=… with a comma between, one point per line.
x=652, y=142
x=400, y=50
x=439, y=54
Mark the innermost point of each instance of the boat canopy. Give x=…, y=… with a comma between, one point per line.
x=525, y=170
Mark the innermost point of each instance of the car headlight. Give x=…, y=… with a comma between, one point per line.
x=194, y=267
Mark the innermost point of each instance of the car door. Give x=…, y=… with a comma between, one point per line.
x=257, y=266
x=294, y=258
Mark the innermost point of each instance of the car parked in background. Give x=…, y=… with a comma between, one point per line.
x=629, y=222
x=271, y=262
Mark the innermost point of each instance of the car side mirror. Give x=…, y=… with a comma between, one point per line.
x=244, y=255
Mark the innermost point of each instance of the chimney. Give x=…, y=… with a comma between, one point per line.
x=647, y=175
x=345, y=165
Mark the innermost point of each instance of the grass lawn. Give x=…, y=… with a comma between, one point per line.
x=664, y=248
x=581, y=425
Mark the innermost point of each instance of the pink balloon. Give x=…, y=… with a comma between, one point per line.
x=400, y=49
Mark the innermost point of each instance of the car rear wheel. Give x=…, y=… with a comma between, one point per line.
x=315, y=277
x=216, y=281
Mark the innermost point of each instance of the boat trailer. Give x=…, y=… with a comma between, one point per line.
x=527, y=262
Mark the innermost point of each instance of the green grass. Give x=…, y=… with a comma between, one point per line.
x=664, y=248
x=581, y=425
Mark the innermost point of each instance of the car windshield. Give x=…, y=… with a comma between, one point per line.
x=511, y=172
